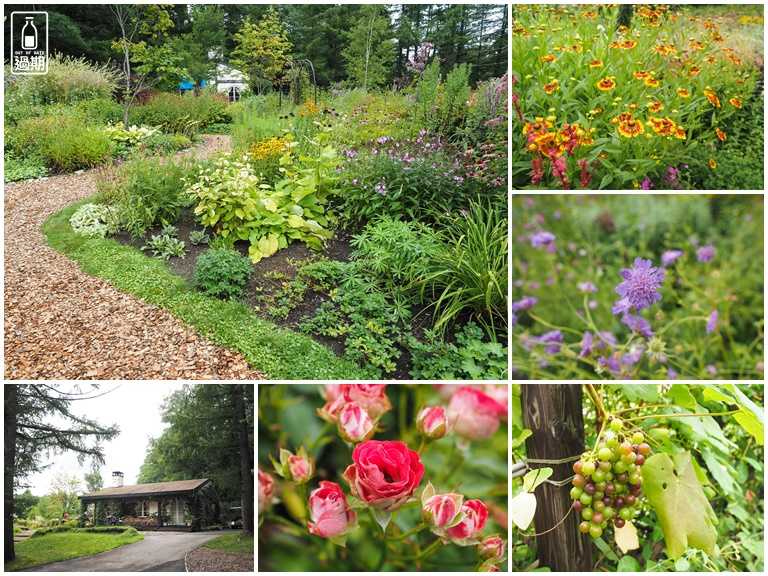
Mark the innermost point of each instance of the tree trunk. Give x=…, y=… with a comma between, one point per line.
x=625, y=15
x=9, y=448
x=553, y=413
x=246, y=466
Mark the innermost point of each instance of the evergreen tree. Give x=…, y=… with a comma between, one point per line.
x=370, y=52
x=39, y=420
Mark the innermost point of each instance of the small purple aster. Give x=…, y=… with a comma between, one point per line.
x=671, y=373
x=586, y=345
x=592, y=304
x=712, y=322
x=606, y=338
x=525, y=303
x=633, y=356
x=514, y=319
x=712, y=369
x=705, y=253
x=646, y=184
x=640, y=288
x=552, y=341
x=638, y=324
x=611, y=363
x=587, y=287
x=543, y=240
x=668, y=258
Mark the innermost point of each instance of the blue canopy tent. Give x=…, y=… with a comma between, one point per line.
x=186, y=85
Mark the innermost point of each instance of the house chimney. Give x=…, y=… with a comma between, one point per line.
x=117, y=479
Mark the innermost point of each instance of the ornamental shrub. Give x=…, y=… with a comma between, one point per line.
x=185, y=114
x=93, y=221
x=222, y=272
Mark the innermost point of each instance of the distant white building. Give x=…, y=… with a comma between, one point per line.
x=228, y=80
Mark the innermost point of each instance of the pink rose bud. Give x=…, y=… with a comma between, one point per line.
x=266, y=490
x=384, y=474
x=431, y=422
x=354, y=423
x=441, y=510
x=329, y=512
x=473, y=414
x=466, y=532
x=300, y=468
x=491, y=547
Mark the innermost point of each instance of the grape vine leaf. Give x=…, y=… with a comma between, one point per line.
x=626, y=537
x=645, y=392
x=681, y=395
x=628, y=564
x=535, y=477
x=719, y=471
x=523, y=509
x=521, y=437
x=684, y=513
x=750, y=423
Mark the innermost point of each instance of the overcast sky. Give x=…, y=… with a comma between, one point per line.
x=135, y=408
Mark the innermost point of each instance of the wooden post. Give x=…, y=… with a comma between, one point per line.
x=553, y=413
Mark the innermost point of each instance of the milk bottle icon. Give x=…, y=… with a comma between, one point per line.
x=29, y=34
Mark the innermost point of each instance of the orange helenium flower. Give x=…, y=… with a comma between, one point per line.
x=680, y=133
x=631, y=128
x=548, y=58
x=551, y=87
x=683, y=93
x=720, y=134
x=735, y=102
x=596, y=64
x=655, y=106
x=642, y=74
x=628, y=44
x=606, y=83
x=712, y=97
x=621, y=118
x=694, y=71
x=662, y=126
x=712, y=163
x=652, y=82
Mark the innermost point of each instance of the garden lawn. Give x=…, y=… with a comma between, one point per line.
x=279, y=354
x=66, y=545
x=237, y=543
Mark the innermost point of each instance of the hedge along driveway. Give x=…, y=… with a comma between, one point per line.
x=277, y=353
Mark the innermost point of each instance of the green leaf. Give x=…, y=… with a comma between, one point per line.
x=268, y=245
x=382, y=518
x=644, y=392
x=681, y=395
x=628, y=564
x=684, y=513
x=339, y=540
x=750, y=423
x=719, y=472
x=711, y=393
x=521, y=438
x=535, y=477
x=605, y=549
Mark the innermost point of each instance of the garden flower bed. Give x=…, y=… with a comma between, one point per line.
x=663, y=97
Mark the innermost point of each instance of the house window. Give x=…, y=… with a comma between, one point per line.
x=234, y=93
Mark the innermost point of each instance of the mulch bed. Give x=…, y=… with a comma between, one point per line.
x=209, y=560
x=61, y=323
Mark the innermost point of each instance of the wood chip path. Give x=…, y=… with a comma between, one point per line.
x=61, y=323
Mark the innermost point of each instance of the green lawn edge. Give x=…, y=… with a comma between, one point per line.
x=276, y=352
x=232, y=543
x=55, y=547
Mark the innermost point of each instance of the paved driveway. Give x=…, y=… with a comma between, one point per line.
x=158, y=552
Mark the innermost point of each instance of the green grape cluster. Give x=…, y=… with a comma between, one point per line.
x=607, y=485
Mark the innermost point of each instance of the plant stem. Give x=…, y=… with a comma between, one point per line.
x=681, y=415
x=411, y=532
x=422, y=445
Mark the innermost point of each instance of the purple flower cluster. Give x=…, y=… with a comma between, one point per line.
x=712, y=322
x=706, y=253
x=640, y=288
x=543, y=239
x=525, y=303
x=670, y=256
x=587, y=287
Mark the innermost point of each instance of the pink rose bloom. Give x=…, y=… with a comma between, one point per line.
x=431, y=422
x=371, y=397
x=465, y=533
x=332, y=391
x=446, y=390
x=491, y=547
x=474, y=415
x=266, y=490
x=300, y=468
x=441, y=510
x=330, y=513
x=354, y=423
x=384, y=474
x=500, y=393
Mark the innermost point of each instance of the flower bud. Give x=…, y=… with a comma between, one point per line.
x=355, y=425
x=266, y=490
x=442, y=510
x=492, y=548
x=466, y=532
x=297, y=467
x=330, y=514
x=431, y=422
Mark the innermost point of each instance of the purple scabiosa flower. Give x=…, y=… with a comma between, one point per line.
x=637, y=324
x=668, y=257
x=633, y=356
x=671, y=373
x=586, y=345
x=705, y=253
x=712, y=322
x=672, y=174
x=712, y=369
x=587, y=287
x=381, y=188
x=611, y=363
x=606, y=338
x=514, y=319
x=552, y=341
x=543, y=240
x=525, y=303
x=646, y=184
x=592, y=304
x=640, y=288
